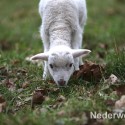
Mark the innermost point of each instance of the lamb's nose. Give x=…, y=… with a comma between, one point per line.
x=61, y=82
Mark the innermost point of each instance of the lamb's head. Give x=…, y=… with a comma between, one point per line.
x=61, y=67
x=61, y=63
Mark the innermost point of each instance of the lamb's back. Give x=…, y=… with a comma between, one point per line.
x=60, y=12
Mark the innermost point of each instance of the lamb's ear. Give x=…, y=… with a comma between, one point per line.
x=80, y=52
x=43, y=56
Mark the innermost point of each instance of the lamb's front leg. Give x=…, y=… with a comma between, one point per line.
x=46, y=45
x=46, y=71
x=77, y=44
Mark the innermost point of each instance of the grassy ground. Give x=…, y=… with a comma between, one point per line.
x=19, y=38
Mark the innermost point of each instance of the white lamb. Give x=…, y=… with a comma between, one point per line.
x=61, y=32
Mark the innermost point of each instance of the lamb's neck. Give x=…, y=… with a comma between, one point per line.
x=60, y=36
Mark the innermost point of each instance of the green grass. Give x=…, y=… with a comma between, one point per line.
x=19, y=38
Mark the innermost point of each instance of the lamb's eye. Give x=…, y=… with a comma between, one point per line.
x=70, y=65
x=51, y=66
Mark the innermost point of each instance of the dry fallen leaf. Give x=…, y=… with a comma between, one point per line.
x=38, y=97
x=110, y=102
x=90, y=71
x=3, y=71
x=9, y=83
x=111, y=11
x=19, y=103
x=112, y=79
x=61, y=98
x=15, y=62
x=51, y=82
x=119, y=89
x=101, y=54
x=2, y=104
x=25, y=85
x=2, y=67
x=38, y=111
x=58, y=102
x=23, y=71
x=120, y=104
x=2, y=99
x=5, y=45
x=61, y=113
x=104, y=46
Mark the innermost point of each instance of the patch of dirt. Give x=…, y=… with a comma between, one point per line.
x=90, y=71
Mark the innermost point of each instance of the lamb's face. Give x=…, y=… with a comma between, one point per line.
x=60, y=61
x=61, y=67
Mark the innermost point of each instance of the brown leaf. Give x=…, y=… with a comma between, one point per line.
x=104, y=46
x=3, y=71
x=101, y=54
x=51, y=82
x=9, y=83
x=110, y=102
x=2, y=99
x=90, y=71
x=61, y=98
x=25, y=85
x=120, y=90
x=15, y=62
x=38, y=97
x=61, y=113
x=5, y=45
x=111, y=11
x=59, y=102
x=2, y=67
x=54, y=90
x=2, y=104
x=22, y=71
x=120, y=104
